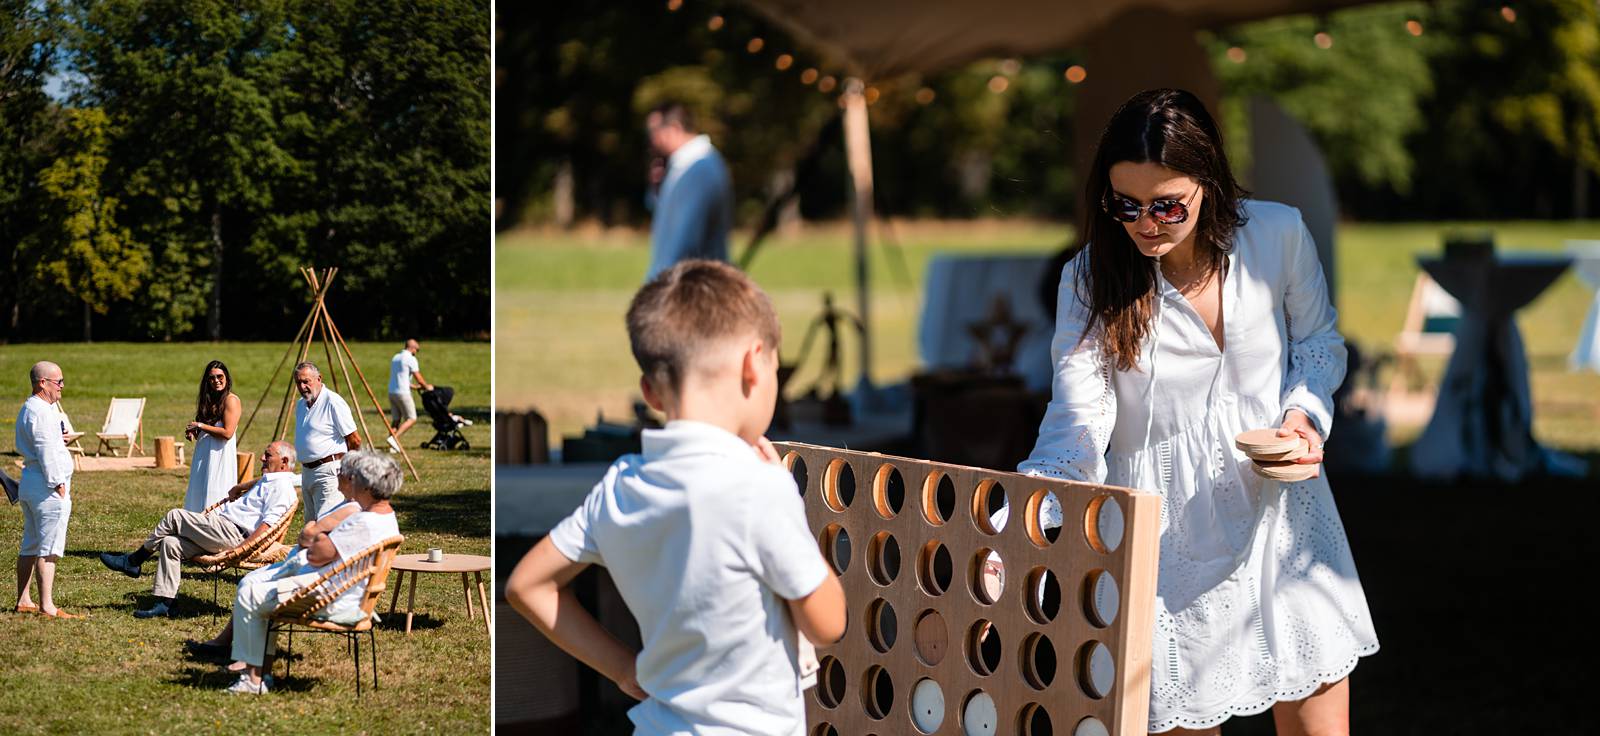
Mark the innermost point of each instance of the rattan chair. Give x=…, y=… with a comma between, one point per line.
x=300, y=611
x=267, y=549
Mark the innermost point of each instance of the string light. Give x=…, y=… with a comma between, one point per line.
x=1414, y=27
x=808, y=76
x=673, y=5
x=1323, y=40
x=715, y=23
x=783, y=62
x=1076, y=74
x=998, y=83
x=755, y=45
x=871, y=93
x=1509, y=13
x=1010, y=67
x=826, y=84
x=1237, y=55
x=925, y=95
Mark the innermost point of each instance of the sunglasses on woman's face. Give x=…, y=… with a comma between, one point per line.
x=1164, y=211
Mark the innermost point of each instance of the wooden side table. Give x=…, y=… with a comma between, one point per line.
x=463, y=564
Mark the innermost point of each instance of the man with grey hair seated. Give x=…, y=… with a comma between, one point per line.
x=323, y=432
x=367, y=480
x=254, y=508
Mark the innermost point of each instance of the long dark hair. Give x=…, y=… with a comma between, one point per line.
x=1169, y=127
x=209, y=406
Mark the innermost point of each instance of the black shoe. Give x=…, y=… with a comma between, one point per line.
x=121, y=564
x=206, y=650
x=159, y=610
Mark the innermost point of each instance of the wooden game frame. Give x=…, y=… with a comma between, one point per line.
x=898, y=630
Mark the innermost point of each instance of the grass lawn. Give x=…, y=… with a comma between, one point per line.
x=112, y=673
x=562, y=347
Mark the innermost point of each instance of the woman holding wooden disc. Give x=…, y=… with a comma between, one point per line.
x=215, y=467
x=1193, y=315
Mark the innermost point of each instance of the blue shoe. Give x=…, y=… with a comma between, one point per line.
x=159, y=610
x=121, y=564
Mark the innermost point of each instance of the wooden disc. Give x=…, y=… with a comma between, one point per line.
x=1301, y=449
x=1265, y=442
x=1285, y=471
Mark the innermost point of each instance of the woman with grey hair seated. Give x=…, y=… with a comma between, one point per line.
x=367, y=480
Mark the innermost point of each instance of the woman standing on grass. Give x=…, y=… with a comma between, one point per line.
x=215, y=468
x=1190, y=316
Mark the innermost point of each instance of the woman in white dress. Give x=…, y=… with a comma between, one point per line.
x=215, y=467
x=1190, y=316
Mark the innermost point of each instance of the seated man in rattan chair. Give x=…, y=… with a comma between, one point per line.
x=253, y=510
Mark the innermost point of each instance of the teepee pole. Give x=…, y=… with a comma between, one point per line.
x=381, y=414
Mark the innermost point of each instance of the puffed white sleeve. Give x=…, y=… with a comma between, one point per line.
x=1083, y=406
x=1317, y=353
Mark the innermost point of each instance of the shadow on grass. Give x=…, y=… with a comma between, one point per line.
x=396, y=622
x=205, y=676
x=463, y=513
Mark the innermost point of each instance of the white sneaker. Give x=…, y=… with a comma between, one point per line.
x=243, y=685
x=393, y=446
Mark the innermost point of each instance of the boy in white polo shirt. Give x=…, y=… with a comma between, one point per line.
x=704, y=533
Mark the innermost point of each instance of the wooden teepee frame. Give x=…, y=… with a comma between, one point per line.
x=320, y=322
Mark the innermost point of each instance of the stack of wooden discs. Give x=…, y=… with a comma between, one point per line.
x=1275, y=456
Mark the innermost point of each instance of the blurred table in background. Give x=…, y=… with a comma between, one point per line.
x=1586, y=261
x=1482, y=423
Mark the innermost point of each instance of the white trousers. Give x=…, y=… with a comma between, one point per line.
x=259, y=593
x=319, y=490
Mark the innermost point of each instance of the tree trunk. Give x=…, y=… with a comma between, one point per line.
x=88, y=316
x=214, y=315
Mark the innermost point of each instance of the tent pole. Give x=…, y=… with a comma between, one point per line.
x=858, y=153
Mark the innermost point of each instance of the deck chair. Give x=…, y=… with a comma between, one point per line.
x=1429, y=329
x=300, y=611
x=265, y=550
x=73, y=437
x=125, y=422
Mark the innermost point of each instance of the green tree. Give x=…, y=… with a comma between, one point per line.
x=29, y=36
x=98, y=262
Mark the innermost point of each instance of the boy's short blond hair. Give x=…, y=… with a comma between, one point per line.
x=688, y=306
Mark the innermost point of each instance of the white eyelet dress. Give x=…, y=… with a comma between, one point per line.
x=1257, y=599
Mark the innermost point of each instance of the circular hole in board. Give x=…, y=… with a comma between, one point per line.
x=888, y=491
x=1043, y=518
x=1102, y=524
x=990, y=510
x=938, y=498
x=882, y=627
x=877, y=692
x=935, y=568
x=1038, y=661
x=824, y=729
x=1043, y=600
x=931, y=637
x=983, y=648
x=1091, y=726
x=797, y=468
x=1035, y=721
x=834, y=542
x=831, y=685
x=1101, y=598
x=883, y=558
x=1097, y=671
x=838, y=485
x=987, y=575
x=979, y=717
x=927, y=706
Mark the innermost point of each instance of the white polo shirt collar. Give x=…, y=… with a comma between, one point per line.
x=685, y=437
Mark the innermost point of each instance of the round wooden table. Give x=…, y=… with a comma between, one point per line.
x=463, y=564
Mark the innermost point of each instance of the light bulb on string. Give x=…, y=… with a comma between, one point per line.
x=826, y=84
x=1508, y=13
x=673, y=5
x=808, y=76
x=1323, y=40
x=715, y=23
x=925, y=95
x=1237, y=54
x=755, y=45
x=998, y=83
x=1414, y=27
x=1076, y=74
x=783, y=62
x=870, y=94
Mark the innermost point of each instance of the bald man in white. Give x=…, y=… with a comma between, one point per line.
x=44, y=490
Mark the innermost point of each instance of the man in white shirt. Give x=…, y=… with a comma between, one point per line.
x=693, y=211
x=43, y=490
x=253, y=509
x=404, y=374
x=324, y=431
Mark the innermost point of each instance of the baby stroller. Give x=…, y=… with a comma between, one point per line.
x=446, y=426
